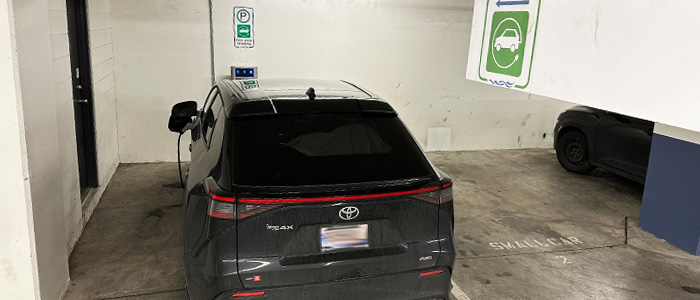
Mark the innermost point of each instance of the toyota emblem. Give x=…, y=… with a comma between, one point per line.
x=348, y=213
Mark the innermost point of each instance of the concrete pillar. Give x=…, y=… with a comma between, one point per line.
x=18, y=265
x=671, y=204
x=34, y=254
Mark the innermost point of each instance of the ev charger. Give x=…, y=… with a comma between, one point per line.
x=242, y=73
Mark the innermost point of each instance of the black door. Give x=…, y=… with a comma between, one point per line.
x=624, y=143
x=82, y=93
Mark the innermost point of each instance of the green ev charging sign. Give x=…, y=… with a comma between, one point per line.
x=243, y=31
x=508, y=42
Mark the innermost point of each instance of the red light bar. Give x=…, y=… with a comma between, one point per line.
x=340, y=198
x=449, y=184
x=220, y=198
x=248, y=294
x=431, y=273
x=220, y=215
x=257, y=209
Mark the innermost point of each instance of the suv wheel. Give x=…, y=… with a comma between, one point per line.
x=573, y=152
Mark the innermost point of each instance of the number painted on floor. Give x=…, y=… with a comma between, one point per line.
x=565, y=260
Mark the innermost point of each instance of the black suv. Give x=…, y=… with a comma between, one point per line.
x=586, y=138
x=303, y=189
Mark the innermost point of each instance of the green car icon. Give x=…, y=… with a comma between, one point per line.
x=510, y=38
x=243, y=31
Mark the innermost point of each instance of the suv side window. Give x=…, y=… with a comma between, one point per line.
x=198, y=130
x=210, y=117
x=210, y=98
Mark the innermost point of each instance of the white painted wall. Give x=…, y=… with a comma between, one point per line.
x=44, y=213
x=43, y=174
x=100, y=36
x=104, y=88
x=633, y=57
x=412, y=53
x=17, y=255
x=104, y=96
x=65, y=119
x=162, y=57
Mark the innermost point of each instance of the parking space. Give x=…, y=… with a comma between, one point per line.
x=525, y=229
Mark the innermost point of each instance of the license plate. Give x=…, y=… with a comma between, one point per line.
x=344, y=237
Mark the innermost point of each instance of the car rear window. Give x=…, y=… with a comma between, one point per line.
x=288, y=150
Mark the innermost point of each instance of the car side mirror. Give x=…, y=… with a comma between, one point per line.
x=181, y=115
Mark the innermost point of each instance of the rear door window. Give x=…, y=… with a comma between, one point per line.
x=288, y=150
x=211, y=114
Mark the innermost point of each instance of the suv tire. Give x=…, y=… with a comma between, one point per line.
x=573, y=152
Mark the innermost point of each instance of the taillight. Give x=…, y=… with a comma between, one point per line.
x=228, y=208
x=436, y=195
x=446, y=193
x=247, y=210
x=425, y=191
x=221, y=207
x=432, y=197
x=221, y=210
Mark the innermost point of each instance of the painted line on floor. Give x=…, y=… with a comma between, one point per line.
x=458, y=292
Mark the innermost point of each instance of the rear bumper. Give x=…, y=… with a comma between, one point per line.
x=416, y=285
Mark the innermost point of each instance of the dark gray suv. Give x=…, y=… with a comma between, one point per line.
x=302, y=189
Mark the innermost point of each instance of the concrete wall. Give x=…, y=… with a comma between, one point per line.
x=41, y=182
x=44, y=170
x=104, y=94
x=104, y=88
x=161, y=55
x=100, y=36
x=18, y=252
x=412, y=53
x=65, y=119
x=627, y=56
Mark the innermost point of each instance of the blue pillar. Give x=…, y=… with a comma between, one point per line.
x=671, y=203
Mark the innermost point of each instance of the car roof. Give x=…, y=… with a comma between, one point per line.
x=295, y=89
x=277, y=93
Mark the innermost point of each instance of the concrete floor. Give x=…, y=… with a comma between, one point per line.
x=525, y=229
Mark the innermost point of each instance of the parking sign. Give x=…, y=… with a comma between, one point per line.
x=243, y=36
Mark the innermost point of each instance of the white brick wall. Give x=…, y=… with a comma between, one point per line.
x=102, y=58
x=60, y=51
x=103, y=86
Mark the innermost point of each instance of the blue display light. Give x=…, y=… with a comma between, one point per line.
x=243, y=73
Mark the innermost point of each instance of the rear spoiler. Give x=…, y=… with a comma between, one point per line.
x=365, y=107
